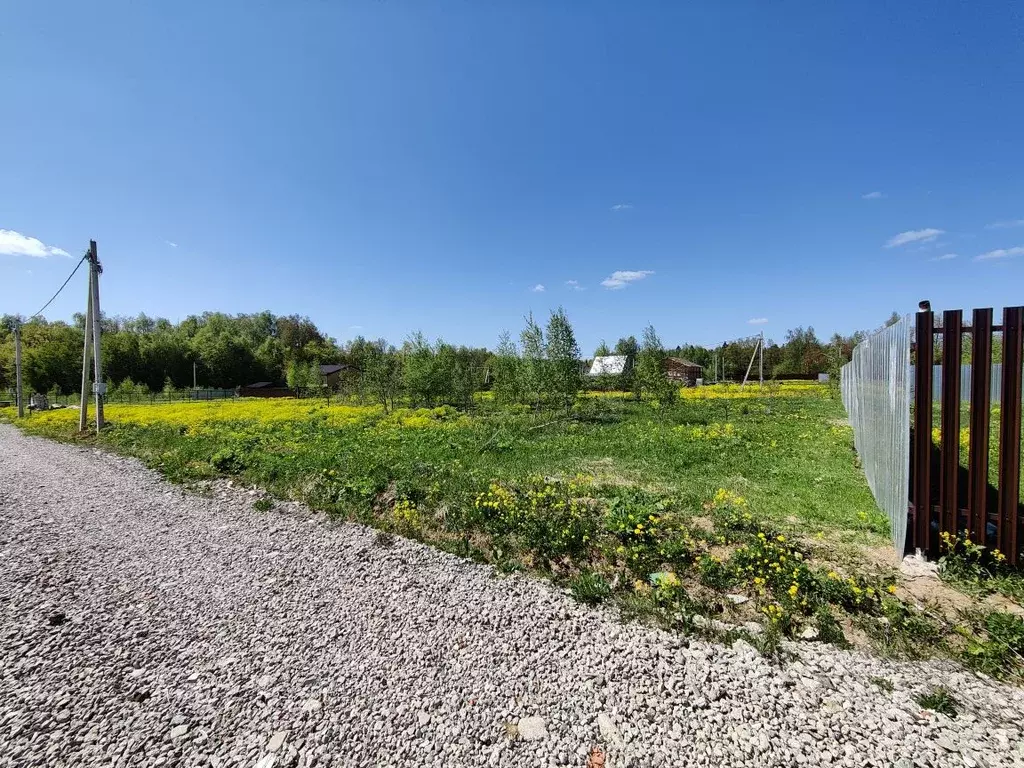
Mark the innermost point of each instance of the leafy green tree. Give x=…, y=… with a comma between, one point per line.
x=803, y=353
x=458, y=374
x=563, y=359
x=627, y=346
x=383, y=373
x=649, y=375
x=301, y=375
x=534, y=368
x=418, y=370
x=507, y=367
x=602, y=350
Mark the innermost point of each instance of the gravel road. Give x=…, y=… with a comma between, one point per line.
x=144, y=625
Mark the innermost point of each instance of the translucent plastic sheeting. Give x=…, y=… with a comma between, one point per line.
x=876, y=386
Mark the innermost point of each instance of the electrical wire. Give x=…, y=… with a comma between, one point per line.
x=37, y=314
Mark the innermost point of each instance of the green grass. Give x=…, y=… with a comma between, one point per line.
x=785, y=455
x=660, y=511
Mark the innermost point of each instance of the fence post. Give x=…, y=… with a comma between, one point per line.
x=981, y=398
x=1009, y=434
x=925, y=328
x=949, y=490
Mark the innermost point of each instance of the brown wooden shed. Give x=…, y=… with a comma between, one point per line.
x=683, y=371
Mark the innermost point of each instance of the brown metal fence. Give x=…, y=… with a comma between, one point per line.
x=946, y=497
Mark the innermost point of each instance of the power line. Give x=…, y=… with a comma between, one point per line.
x=37, y=314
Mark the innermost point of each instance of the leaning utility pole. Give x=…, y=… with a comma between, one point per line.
x=758, y=350
x=18, y=394
x=92, y=335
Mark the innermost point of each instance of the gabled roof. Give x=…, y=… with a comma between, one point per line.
x=684, y=362
x=611, y=365
x=327, y=370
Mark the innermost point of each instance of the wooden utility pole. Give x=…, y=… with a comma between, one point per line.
x=99, y=387
x=760, y=363
x=92, y=335
x=18, y=394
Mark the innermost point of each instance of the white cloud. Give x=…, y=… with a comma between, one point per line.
x=538, y=288
x=914, y=236
x=758, y=320
x=622, y=206
x=355, y=327
x=574, y=285
x=872, y=196
x=623, y=277
x=173, y=245
x=16, y=244
x=1000, y=253
x=944, y=257
x=1009, y=223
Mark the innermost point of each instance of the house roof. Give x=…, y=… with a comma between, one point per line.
x=327, y=370
x=684, y=362
x=260, y=384
x=608, y=365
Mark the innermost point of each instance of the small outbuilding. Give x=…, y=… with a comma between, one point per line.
x=683, y=371
x=331, y=374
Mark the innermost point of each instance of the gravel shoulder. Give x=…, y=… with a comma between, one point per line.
x=144, y=625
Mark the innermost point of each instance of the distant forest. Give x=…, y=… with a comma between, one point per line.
x=232, y=350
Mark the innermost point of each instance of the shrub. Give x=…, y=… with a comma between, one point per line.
x=1001, y=648
x=939, y=699
x=590, y=588
x=406, y=516
x=963, y=560
x=549, y=515
x=633, y=518
x=228, y=462
x=715, y=574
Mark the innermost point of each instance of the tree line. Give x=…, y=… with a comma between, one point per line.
x=543, y=365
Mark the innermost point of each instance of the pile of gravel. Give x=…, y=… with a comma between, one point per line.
x=144, y=625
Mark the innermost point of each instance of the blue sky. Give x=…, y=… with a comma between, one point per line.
x=387, y=166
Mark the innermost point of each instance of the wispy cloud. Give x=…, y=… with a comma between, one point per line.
x=1009, y=223
x=914, y=236
x=622, y=206
x=574, y=285
x=623, y=277
x=538, y=288
x=758, y=320
x=355, y=327
x=944, y=257
x=1000, y=253
x=173, y=245
x=16, y=244
x=872, y=196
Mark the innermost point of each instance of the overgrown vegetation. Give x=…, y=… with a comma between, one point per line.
x=978, y=570
x=733, y=512
x=939, y=699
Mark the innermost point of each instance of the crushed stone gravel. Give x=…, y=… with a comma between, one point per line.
x=145, y=625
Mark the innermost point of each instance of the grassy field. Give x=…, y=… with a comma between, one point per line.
x=664, y=510
x=785, y=451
